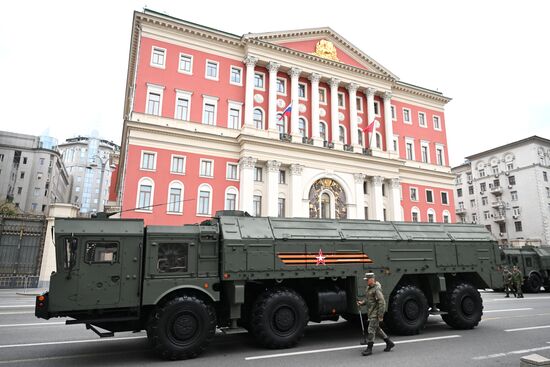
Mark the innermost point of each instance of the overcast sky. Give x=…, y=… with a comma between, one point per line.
x=63, y=64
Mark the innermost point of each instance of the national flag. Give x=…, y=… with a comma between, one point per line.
x=370, y=127
x=286, y=111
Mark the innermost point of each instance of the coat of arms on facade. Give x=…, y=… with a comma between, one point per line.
x=326, y=50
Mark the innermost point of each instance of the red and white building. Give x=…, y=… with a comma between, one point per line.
x=203, y=129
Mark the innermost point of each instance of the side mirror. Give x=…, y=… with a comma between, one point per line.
x=71, y=246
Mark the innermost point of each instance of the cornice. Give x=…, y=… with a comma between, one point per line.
x=419, y=91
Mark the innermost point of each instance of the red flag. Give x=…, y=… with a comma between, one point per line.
x=369, y=128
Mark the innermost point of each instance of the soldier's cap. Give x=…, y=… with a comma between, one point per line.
x=368, y=276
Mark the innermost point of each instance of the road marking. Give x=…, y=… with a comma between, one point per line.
x=101, y=355
x=514, y=317
x=345, y=348
x=496, y=355
x=18, y=306
x=517, y=299
x=17, y=313
x=35, y=324
x=508, y=310
x=70, y=342
x=529, y=328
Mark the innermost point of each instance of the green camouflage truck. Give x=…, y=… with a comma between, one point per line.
x=534, y=264
x=270, y=276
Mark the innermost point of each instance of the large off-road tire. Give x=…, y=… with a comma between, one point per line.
x=407, y=311
x=182, y=328
x=532, y=284
x=464, y=307
x=279, y=317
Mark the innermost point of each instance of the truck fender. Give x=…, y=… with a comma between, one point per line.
x=181, y=289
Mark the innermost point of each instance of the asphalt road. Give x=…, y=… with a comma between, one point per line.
x=511, y=328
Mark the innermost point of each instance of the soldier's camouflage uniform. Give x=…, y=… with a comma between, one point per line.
x=517, y=278
x=376, y=306
x=508, y=283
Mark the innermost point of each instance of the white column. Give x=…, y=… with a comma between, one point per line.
x=395, y=197
x=388, y=121
x=377, y=198
x=272, y=105
x=315, y=135
x=334, y=121
x=352, y=89
x=359, y=178
x=272, y=188
x=246, y=183
x=296, y=190
x=250, y=62
x=369, y=92
x=295, y=113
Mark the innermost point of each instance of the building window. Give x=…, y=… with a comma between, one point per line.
x=323, y=131
x=322, y=95
x=439, y=156
x=182, y=107
x=486, y=215
x=545, y=176
x=204, y=200
x=444, y=198
x=514, y=195
x=378, y=140
x=281, y=86
x=459, y=193
x=516, y=210
x=472, y=203
x=158, y=57
x=302, y=91
x=153, y=103
x=509, y=166
x=407, y=116
x=409, y=147
x=482, y=172
x=230, y=200
x=259, y=81
x=236, y=76
x=415, y=214
x=414, y=194
x=211, y=70
x=429, y=196
x=145, y=195
x=341, y=100
x=258, y=173
x=360, y=136
x=186, y=64
x=437, y=124
x=431, y=216
x=376, y=108
x=234, y=121
x=422, y=119
x=302, y=127
x=148, y=160
x=19, y=190
x=519, y=228
x=36, y=191
x=484, y=200
x=258, y=118
x=257, y=205
x=178, y=164
x=471, y=190
x=474, y=217
x=209, y=114
x=281, y=208
x=512, y=180
x=175, y=199
x=425, y=158
x=342, y=134
x=393, y=114
x=232, y=170
x=282, y=176
x=281, y=123
x=207, y=168
x=359, y=103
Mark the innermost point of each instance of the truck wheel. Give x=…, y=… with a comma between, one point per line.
x=533, y=283
x=279, y=317
x=408, y=310
x=182, y=328
x=464, y=307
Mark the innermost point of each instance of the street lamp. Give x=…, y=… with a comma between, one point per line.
x=92, y=165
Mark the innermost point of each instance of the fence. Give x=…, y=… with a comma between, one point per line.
x=21, y=248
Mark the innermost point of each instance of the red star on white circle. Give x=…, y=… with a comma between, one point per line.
x=320, y=258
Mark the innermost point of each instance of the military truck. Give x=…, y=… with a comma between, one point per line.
x=534, y=264
x=270, y=276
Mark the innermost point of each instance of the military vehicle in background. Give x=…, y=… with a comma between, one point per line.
x=534, y=264
x=270, y=276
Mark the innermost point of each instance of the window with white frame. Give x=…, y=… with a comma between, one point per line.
x=422, y=119
x=341, y=100
x=323, y=131
x=207, y=168
x=359, y=102
x=145, y=194
x=258, y=174
x=281, y=86
x=439, y=155
x=282, y=176
x=178, y=164
x=234, y=115
x=446, y=217
x=378, y=140
x=148, y=160
x=258, y=118
x=425, y=150
x=360, y=136
x=281, y=123
x=409, y=148
x=429, y=196
x=407, y=116
x=437, y=123
x=204, y=204
x=414, y=193
x=230, y=199
x=236, y=75
x=158, y=57
x=175, y=197
x=211, y=70
x=281, y=204
x=302, y=91
x=154, y=99
x=415, y=214
x=185, y=64
x=444, y=198
x=431, y=215
x=323, y=95
x=232, y=171
x=342, y=134
x=259, y=80
x=302, y=127
x=209, y=110
x=183, y=104
x=396, y=144
x=377, y=108
x=257, y=205
x=393, y=113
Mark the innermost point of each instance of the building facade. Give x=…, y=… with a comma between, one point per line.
x=32, y=174
x=90, y=163
x=507, y=189
x=205, y=129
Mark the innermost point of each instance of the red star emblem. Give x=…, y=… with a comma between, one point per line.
x=320, y=258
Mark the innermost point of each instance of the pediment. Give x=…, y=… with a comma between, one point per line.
x=325, y=43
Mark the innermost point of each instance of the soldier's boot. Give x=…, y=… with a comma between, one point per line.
x=368, y=351
x=389, y=345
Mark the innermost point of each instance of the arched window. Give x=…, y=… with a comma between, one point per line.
x=257, y=204
x=258, y=118
x=302, y=127
x=175, y=197
x=360, y=136
x=231, y=198
x=415, y=214
x=446, y=216
x=323, y=130
x=281, y=123
x=431, y=215
x=204, y=202
x=342, y=134
x=325, y=205
x=378, y=140
x=145, y=194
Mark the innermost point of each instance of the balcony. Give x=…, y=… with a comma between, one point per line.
x=496, y=190
x=307, y=140
x=499, y=218
x=348, y=148
x=326, y=144
x=285, y=137
x=497, y=204
x=460, y=211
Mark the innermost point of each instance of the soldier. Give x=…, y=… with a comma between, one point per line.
x=517, y=278
x=507, y=280
x=376, y=306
